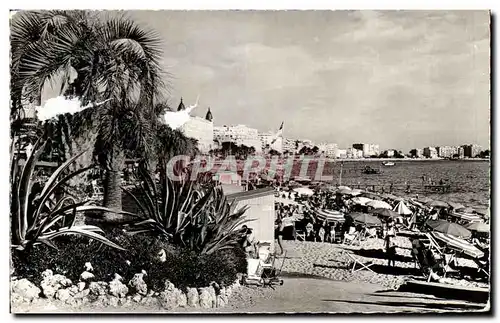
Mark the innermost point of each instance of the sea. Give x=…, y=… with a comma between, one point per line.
x=469, y=180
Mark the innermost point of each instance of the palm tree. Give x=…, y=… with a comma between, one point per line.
x=95, y=59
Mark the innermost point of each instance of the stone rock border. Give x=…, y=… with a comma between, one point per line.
x=115, y=293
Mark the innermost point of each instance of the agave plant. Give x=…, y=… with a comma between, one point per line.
x=43, y=215
x=186, y=214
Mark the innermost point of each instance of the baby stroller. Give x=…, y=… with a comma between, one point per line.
x=262, y=271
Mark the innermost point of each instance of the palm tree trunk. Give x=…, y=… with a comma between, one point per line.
x=112, y=185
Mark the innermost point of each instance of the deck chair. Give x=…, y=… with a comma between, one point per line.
x=352, y=237
x=97, y=192
x=301, y=235
x=354, y=260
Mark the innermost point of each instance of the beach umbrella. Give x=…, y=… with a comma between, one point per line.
x=464, y=209
x=424, y=200
x=458, y=244
x=466, y=216
x=344, y=191
x=365, y=219
x=360, y=200
x=372, y=196
x=482, y=211
x=304, y=191
x=456, y=206
x=391, y=197
x=343, y=187
x=478, y=227
x=330, y=215
x=379, y=204
x=402, y=209
x=449, y=228
x=437, y=204
x=386, y=213
x=356, y=192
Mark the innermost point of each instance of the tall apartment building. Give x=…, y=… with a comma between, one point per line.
x=472, y=151
x=368, y=150
x=430, y=152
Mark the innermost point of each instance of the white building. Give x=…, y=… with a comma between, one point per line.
x=267, y=139
x=328, y=149
x=201, y=130
x=239, y=134
x=288, y=145
x=430, y=152
x=341, y=153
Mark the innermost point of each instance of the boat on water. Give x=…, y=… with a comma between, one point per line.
x=388, y=164
x=369, y=170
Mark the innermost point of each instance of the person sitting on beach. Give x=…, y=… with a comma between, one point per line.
x=310, y=234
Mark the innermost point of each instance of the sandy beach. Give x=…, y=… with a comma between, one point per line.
x=331, y=261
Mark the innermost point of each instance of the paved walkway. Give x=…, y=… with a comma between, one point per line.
x=323, y=295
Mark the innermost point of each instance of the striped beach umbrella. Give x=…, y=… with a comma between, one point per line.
x=458, y=244
x=330, y=215
x=466, y=216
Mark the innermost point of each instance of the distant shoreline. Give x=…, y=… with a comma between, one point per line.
x=406, y=159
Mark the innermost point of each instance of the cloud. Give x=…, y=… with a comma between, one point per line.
x=399, y=78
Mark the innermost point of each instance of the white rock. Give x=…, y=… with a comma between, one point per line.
x=25, y=289
x=86, y=275
x=98, y=288
x=117, y=288
x=206, y=300
x=88, y=266
x=63, y=295
x=138, y=285
x=221, y=301
x=181, y=299
x=169, y=286
x=52, y=283
x=192, y=297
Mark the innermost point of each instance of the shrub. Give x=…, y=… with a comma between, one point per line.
x=182, y=267
x=188, y=216
x=40, y=214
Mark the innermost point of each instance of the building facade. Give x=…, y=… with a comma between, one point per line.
x=472, y=151
x=288, y=145
x=239, y=134
x=341, y=153
x=430, y=152
x=369, y=150
x=266, y=140
x=201, y=130
x=328, y=149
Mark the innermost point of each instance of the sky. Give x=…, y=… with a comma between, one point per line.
x=401, y=79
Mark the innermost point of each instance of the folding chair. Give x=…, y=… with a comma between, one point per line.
x=97, y=192
x=352, y=238
x=356, y=261
x=301, y=235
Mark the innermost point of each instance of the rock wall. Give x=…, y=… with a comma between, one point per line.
x=57, y=288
